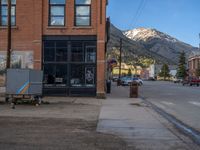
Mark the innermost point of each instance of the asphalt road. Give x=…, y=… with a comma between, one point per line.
x=183, y=102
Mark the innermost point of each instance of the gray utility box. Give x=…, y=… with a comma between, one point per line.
x=24, y=82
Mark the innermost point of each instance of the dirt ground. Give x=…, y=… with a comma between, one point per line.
x=68, y=124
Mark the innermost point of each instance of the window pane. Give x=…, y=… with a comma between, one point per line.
x=77, y=75
x=4, y=21
x=4, y=10
x=89, y=76
x=82, y=11
x=62, y=44
x=84, y=21
x=49, y=74
x=61, y=75
x=5, y=1
x=57, y=1
x=57, y=21
x=13, y=1
x=13, y=21
x=49, y=54
x=83, y=1
x=13, y=10
x=49, y=44
x=90, y=54
x=77, y=53
x=61, y=54
x=57, y=10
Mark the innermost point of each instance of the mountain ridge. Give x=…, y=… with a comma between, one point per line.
x=150, y=43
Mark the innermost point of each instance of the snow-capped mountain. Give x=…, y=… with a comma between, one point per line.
x=159, y=42
x=145, y=34
x=150, y=42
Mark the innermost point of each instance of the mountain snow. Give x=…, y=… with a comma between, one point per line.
x=144, y=34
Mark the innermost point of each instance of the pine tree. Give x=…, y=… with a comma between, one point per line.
x=129, y=72
x=181, y=72
x=164, y=72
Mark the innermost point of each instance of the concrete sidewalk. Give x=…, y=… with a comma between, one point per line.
x=138, y=124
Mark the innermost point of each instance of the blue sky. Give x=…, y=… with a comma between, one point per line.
x=178, y=18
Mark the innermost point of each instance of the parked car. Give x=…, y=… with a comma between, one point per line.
x=138, y=80
x=151, y=79
x=115, y=78
x=177, y=80
x=126, y=81
x=191, y=81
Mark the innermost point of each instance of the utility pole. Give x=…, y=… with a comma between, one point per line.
x=120, y=62
x=199, y=41
x=8, y=60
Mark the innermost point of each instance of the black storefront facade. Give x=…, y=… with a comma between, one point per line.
x=69, y=65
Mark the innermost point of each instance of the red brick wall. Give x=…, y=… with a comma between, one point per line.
x=32, y=23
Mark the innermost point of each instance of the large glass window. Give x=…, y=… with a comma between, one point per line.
x=61, y=51
x=4, y=12
x=82, y=75
x=82, y=12
x=77, y=52
x=55, y=51
x=90, y=54
x=57, y=12
x=55, y=75
x=69, y=64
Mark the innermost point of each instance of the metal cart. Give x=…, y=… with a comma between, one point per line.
x=23, y=84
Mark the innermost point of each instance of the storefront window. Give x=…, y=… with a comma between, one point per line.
x=82, y=76
x=77, y=54
x=49, y=75
x=89, y=76
x=55, y=75
x=69, y=65
x=61, y=75
x=49, y=54
x=90, y=54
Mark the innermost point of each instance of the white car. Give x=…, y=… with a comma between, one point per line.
x=177, y=80
x=138, y=80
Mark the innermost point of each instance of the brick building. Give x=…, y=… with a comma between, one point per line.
x=67, y=40
x=193, y=63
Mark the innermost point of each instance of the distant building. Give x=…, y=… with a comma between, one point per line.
x=193, y=63
x=135, y=70
x=154, y=70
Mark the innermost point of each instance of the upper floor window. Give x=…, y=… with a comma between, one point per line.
x=57, y=12
x=82, y=12
x=4, y=12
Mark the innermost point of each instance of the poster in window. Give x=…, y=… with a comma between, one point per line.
x=89, y=76
x=19, y=59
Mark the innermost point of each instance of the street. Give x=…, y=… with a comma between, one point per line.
x=183, y=102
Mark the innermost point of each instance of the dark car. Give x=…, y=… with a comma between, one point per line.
x=191, y=81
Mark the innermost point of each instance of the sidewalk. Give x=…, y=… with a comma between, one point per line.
x=138, y=124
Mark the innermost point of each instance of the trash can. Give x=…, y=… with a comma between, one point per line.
x=134, y=90
x=108, y=86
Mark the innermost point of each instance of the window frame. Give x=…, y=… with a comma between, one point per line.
x=50, y=16
x=1, y=16
x=89, y=16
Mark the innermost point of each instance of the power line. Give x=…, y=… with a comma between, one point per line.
x=138, y=13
